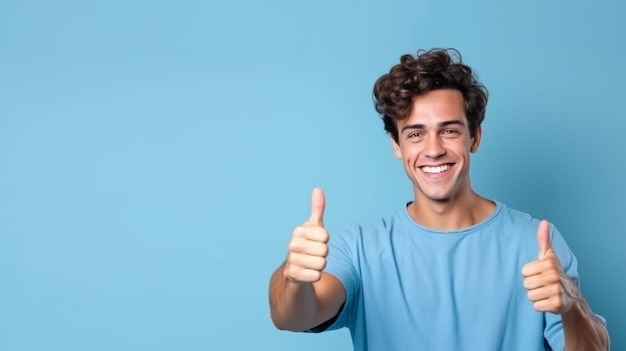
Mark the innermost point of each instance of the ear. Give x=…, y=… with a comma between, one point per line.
x=396, y=148
x=476, y=139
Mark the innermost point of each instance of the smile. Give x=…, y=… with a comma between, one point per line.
x=436, y=169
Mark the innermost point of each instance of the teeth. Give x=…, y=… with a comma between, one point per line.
x=437, y=169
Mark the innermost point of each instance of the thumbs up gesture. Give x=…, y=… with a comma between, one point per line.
x=308, y=247
x=549, y=288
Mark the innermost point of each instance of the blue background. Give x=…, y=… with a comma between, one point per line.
x=155, y=156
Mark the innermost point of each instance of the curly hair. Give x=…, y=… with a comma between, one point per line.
x=425, y=72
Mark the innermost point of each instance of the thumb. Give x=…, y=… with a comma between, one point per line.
x=318, y=204
x=543, y=238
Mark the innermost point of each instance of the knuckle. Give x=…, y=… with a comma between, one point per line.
x=324, y=251
x=319, y=234
x=318, y=263
x=554, y=276
x=301, y=274
x=313, y=276
x=324, y=236
x=292, y=259
x=322, y=263
x=525, y=271
x=297, y=231
x=304, y=231
x=320, y=249
x=291, y=272
x=527, y=283
x=295, y=245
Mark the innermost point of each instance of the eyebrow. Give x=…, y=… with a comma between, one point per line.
x=440, y=125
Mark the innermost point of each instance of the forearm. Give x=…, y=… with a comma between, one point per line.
x=293, y=305
x=582, y=329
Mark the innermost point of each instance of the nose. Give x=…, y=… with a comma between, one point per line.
x=433, y=147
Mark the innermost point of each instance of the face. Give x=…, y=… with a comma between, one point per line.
x=434, y=144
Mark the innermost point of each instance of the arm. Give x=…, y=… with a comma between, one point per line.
x=551, y=290
x=582, y=329
x=299, y=306
x=302, y=296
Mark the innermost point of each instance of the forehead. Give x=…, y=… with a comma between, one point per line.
x=436, y=106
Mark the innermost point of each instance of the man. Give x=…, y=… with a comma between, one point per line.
x=450, y=270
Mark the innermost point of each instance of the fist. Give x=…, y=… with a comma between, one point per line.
x=547, y=286
x=308, y=248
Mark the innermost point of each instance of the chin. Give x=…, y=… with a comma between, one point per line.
x=440, y=199
x=436, y=197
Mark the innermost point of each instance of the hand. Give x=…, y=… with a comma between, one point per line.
x=548, y=287
x=309, y=245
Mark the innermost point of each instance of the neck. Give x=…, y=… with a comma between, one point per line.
x=462, y=211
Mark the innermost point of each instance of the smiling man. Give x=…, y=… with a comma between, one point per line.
x=450, y=270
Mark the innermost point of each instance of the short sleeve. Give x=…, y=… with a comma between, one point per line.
x=554, y=326
x=341, y=263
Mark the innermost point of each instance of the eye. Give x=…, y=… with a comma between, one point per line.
x=414, y=135
x=451, y=132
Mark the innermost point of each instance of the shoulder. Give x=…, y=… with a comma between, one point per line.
x=525, y=226
x=512, y=229
x=515, y=216
x=378, y=229
x=383, y=224
x=515, y=220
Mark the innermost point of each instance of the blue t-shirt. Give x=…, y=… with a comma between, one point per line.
x=413, y=288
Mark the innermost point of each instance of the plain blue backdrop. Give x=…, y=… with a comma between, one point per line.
x=155, y=155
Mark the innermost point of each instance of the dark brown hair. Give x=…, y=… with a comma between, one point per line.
x=424, y=72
